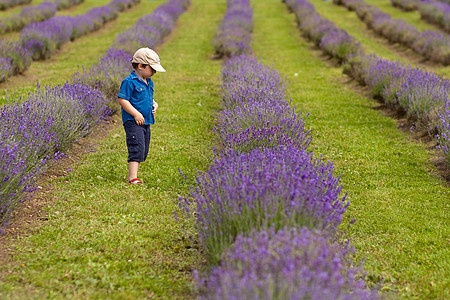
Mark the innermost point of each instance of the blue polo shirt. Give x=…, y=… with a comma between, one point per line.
x=140, y=96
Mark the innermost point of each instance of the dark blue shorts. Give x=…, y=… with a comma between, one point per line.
x=138, y=141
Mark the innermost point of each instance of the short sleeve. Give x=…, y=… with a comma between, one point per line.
x=126, y=89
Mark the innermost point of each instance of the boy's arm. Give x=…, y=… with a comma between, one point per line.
x=126, y=105
x=155, y=106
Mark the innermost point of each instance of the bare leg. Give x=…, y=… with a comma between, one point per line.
x=133, y=167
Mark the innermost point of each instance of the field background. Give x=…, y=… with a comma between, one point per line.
x=95, y=235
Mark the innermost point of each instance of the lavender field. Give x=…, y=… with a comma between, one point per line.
x=301, y=151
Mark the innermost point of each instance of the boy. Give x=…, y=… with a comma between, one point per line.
x=138, y=107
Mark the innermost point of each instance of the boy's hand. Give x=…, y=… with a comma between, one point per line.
x=139, y=118
x=155, y=106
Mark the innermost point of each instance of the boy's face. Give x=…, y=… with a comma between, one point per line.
x=145, y=71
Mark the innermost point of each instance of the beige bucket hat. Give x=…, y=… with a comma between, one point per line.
x=147, y=56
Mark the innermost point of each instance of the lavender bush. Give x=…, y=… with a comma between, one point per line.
x=15, y=59
x=107, y=74
x=37, y=129
x=288, y=264
x=44, y=37
x=5, y=4
x=5, y=68
x=27, y=16
x=407, y=5
x=38, y=13
x=115, y=65
x=437, y=13
x=443, y=135
x=151, y=29
x=256, y=113
x=263, y=188
x=246, y=79
x=416, y=92
x=334, y=41
x=234, y=31
x=64, y=4
x=431, y=44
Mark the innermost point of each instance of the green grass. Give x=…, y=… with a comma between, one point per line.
x=107, y=239
x=372, y=43
x=400, y=207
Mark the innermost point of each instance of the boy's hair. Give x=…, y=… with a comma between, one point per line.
x=135, y=65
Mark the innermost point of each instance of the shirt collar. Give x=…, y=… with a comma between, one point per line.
x=133, y=75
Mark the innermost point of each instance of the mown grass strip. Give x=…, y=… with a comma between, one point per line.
x=401, y=209
x=349, y=21
x=105, y=238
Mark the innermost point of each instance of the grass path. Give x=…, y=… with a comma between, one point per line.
x=349, y=21
x=107, y=239
x=402, y=211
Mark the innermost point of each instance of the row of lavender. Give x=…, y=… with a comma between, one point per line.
x=5, y=4
x=435, y=12
x=38, y=129
x=32, y=14
x=148, y=31
x=431, y=44
x=267, y=212
x=39, y=40
x=421, y=95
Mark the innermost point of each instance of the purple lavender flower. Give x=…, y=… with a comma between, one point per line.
x=149, y=30
x=263, y=188
x=256, y=113
x=34, y=129
x=436, y=12
x=443, y=135
x=15, y=59
x=233, y=33
x=43, y=38
x=289, y=264
x=107, y=74
x=5, y=68
x=324, y=33
x=431, y=44
x=27, y=16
